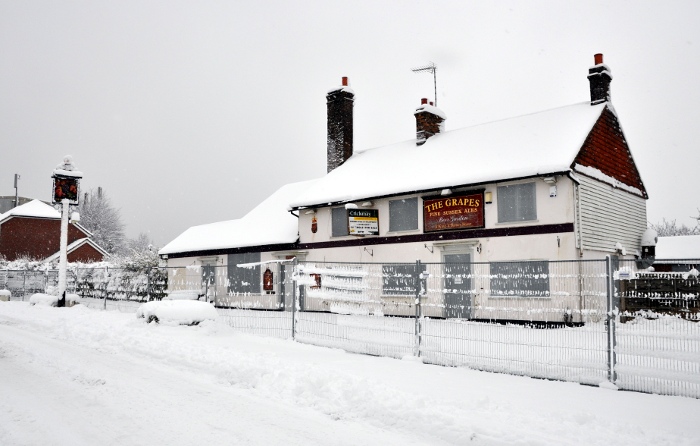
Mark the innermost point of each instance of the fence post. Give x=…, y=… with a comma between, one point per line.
x=24, y=285
x=148, y=284
x=295, y=283
x=104, y=295
x=419, y=308
x=610, y=319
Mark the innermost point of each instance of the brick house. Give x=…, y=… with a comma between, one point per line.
x=33, y=230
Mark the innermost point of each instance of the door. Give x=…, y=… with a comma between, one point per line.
x=209, y=283
x=458, y=285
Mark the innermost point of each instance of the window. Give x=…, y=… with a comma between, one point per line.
x=399, y=279
x=340, y=222
x=403, y=214
x=244, y=280
x=520, y=279
x=517, y=203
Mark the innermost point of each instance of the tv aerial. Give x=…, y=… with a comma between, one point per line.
x=429, y=68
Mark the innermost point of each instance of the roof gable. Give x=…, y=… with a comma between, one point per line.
x=606, y=151
x=536, y=144
x=74, y=246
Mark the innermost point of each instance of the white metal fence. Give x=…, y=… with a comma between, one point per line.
x=101, y=283
x=559, y=320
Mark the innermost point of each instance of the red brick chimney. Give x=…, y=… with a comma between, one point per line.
x=340, y=102
x=429, y=121
x=599, y=76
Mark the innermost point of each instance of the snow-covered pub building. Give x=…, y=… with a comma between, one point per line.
x=555, y=185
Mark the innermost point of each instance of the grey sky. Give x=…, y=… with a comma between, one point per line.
x=193, y=112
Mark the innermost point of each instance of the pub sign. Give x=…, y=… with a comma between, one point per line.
x=65, y=188
x=453, y=212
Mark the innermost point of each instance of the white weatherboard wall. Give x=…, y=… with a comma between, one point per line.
x=610, y=216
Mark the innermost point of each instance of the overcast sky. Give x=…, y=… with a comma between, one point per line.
x=189, y=112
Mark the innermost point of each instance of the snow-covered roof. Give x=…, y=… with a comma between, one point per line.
x=678, y=247
x=34, y=208
x=536, y=144
x=38, y=209
x=270, y=223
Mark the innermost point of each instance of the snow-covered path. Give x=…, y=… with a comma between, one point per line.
x=81, y=377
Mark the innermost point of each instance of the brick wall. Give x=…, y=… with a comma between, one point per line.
x=606, y=149
x=36, y=238
x=86, y=254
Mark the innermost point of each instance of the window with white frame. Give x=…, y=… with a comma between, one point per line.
x=517, y=202
x=244, y=280
x=520, y=279
x=339, y=222
x=403, y=214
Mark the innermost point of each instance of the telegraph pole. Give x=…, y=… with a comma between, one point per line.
x=16, y=190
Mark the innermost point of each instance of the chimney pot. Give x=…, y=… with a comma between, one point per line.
x=345, y=81
x=423, y=101
x=598, y=58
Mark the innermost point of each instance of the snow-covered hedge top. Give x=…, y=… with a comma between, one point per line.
x=536, y=144
x=269, y=223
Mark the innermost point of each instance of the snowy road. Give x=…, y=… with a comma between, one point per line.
x=75, y=376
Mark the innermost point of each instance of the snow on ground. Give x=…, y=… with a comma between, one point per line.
x=83, y=377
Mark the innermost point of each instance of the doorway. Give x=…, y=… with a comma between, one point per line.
x=458, y=286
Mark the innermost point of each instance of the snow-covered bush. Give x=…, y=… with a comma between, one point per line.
x=52, y=301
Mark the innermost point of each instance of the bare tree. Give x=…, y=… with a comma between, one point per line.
x=669, y=228
x=98, y=216
x=140, y=244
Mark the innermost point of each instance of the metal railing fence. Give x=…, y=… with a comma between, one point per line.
x=568, y=320
x=97, y=283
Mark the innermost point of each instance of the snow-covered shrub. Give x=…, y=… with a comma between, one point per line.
x=52, y=301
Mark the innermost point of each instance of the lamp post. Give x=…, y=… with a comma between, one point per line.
x=66, y=191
